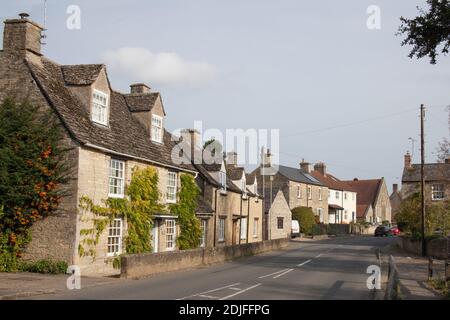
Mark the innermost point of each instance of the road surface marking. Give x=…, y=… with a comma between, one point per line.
x=239, y=292
x=319, y=255
x=235, y=289
x=303, y=263
x=268, y=275
x=209, y=291
x=205, y=296
x=282, y=274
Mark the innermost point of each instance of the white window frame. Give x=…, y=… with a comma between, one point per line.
x=320, y=213
x=309, y=193
x=100, y=109
x=320, y=194
x=171, y=189
x=203, y=227
x=171, y=236
x=114, y=244
x=157, y=128
x=119, y=167
x=223, y=180
x=221, y=232
x=243, y=228
x=244, y=188
x=439, y=194
x=255, y=227
x=345, y=195
x=299, y=192
x=337, y=195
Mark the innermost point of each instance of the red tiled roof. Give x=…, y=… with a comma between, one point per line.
x=361, y=210
x=367, y=191
x=332, y=182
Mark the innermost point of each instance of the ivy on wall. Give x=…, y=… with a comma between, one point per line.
x=137, y=208
x=190, y=230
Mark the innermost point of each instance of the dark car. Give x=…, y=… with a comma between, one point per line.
x=382, y=231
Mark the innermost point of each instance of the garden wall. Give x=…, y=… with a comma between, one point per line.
x=436, y=248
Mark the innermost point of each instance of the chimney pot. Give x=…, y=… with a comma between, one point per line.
x=408, y=164
x=139, y=88
x=321, y=168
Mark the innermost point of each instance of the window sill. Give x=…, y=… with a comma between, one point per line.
x=116, y=196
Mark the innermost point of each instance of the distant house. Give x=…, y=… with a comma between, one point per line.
x=396, y=199
x=437, y=179
x=372, y=203
x=341, y=196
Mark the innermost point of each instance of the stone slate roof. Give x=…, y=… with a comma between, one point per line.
x=81, y=74
x=141, y=102
x=235, y=173
x=203, y=206
x=432, y=172
x=367, y=192
x=295, y=174
x=250, y=178
x=125, y=134
x=332, y=182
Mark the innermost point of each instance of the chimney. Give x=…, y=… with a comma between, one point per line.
x=355, y=179
x=232, y=158
x=447, y=160
x=305, y=166
x=267, y=159
x=22, y=35
x=321, y=167
x=395, y=188
x=139, y=88
x=408, y=160
x=192, y=137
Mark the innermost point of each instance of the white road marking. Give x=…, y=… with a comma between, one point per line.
x=205, y=296
x=209, y=291
x=282, y=274
x=235, y=289
x=239, y=292
x=319, y=255
x=303, y=263
x=271, y=274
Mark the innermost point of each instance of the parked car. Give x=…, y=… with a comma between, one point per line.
x=295, y=229
x=382, y=231
x=395, y=231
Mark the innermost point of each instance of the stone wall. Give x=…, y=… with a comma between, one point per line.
x=147, y=264
x=436, y=248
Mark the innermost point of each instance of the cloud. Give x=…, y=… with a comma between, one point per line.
x=165, y=68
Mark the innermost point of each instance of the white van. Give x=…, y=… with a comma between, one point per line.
x=295, y=229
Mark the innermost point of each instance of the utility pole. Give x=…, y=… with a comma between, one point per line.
x=422, y=176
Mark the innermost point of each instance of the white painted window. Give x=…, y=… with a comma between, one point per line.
x=222, y=229
x=223, y=180
x=170, y=234
x=329, y=194
x=320, y=193
x=171, y=187
x=244, y=187
x=116, y=178
x=345, y=195
x=345, y=215
x=299, y=192
x=157, y=128
x=243, y=228
x=309, y=193
x=115, y=238
x=353, y=216
x=437, y=192
x=255, y=227
x=337, y=194
x=99, y=107
x=320, y=213
x=203, y=224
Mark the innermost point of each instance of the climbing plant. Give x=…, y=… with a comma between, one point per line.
x=190, y=230
x=138, y=207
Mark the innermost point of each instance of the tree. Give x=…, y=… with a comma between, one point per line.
x=443, y=149
x=33, y=167
x=428, y=31
x=305, y=217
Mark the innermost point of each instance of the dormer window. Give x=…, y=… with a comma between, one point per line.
x=157, y=126
x=223, y=180
x=100, y=107
x=244, y=188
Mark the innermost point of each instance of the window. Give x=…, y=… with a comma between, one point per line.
x=320, y=193
x=157, y=124
x=243, y=228
x=329, y=194
x=320, y=214
x=170, y=234
x=115, y=237
x=203, y=237
x=171, y=187
x=222, y=229
x=280, y=223
x=437, y=192
x=309, y=193
x=255, y=227
x=345, y=215
x=223, y=180
x=299, y=192
x=116, y=178
x=99, y=107
x=337, y=194
x=353, y=216
x=244, y=187
x=345, y=195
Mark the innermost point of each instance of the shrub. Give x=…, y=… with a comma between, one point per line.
x=44, y=266
x=305, y=217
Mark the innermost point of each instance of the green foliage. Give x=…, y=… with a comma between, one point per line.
x=44, y=266
x=409, y=219
x=428, y=31
x=32, y=167
x=190, y=230
x=141, y=203
x=385, y=223
x=306, y=219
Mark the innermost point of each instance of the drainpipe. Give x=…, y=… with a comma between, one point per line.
x=215, y=218
x=240, y=221
x=248, y=217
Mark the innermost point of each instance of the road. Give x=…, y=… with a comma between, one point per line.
x=326, y=269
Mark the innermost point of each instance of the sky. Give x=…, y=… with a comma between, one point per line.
x=338, y=91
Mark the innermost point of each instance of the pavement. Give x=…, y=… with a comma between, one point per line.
x=328, y=269
x=413, y=274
